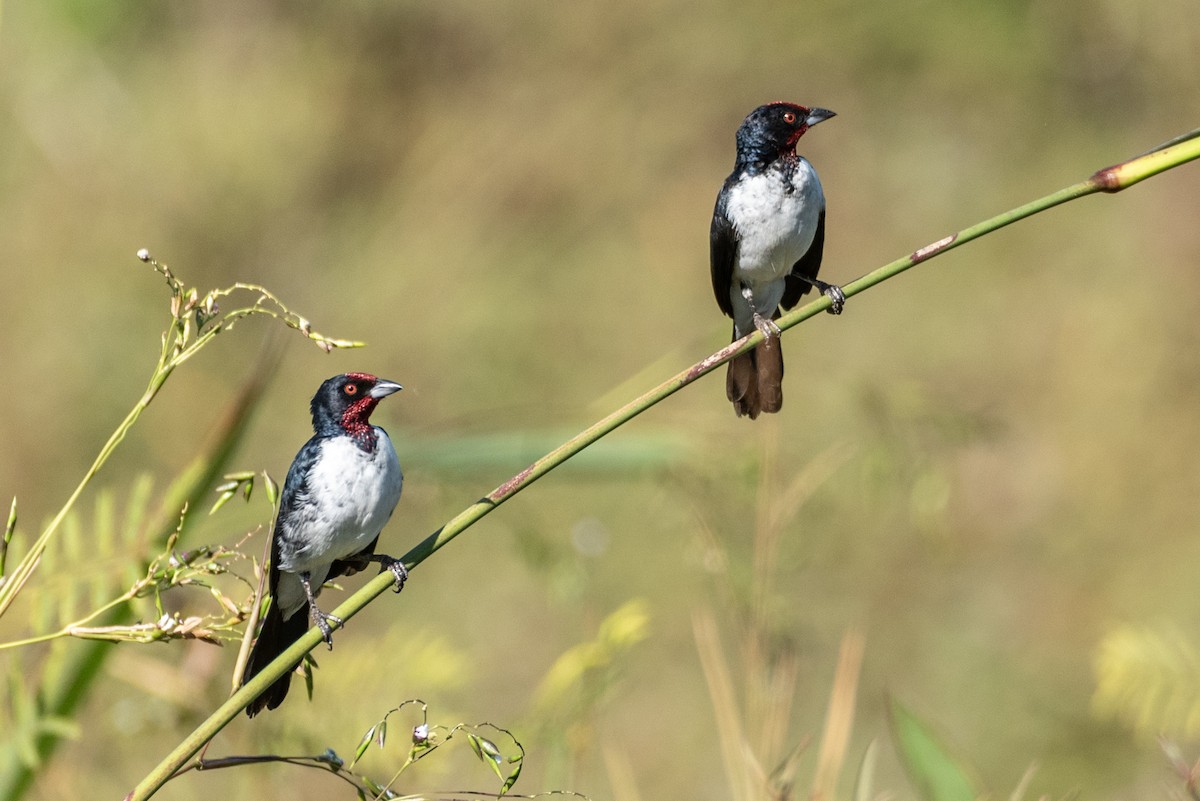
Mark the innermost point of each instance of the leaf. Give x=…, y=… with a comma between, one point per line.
x=937, y=776
x=363, y=745
x=512, y=777
x=487, y=752
x=272, y=489
x=223, y=499
x=310, y=666
x=67, y=728
x=9, y=528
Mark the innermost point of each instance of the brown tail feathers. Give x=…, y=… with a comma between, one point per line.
x=754, y=382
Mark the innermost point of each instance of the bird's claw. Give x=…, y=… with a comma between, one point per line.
x=323, y=619
x=767, y=327
x=393, y=564
x=398, y=570
x=837, y=298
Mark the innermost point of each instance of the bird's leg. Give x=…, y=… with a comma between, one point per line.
x=837, y=298
x=767, y=327
x=321, y=619
x=393, y=564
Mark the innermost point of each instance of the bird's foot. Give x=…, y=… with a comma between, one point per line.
x=322, y=621
x=837, y=298
x=767, y=327
x=395, y=565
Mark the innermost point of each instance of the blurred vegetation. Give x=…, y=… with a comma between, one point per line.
x=499, y=199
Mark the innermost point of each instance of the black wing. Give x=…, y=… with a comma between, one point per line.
x=806, y=267
x=294, y=495
x=723, y=248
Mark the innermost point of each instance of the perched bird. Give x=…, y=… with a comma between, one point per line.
x=767, y=235
x=340, y=491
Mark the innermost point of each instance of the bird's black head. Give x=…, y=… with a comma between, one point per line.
x=344, y=403
x=772, y=130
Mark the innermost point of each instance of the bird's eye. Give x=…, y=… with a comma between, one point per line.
x=789, y=117
x=351, y=389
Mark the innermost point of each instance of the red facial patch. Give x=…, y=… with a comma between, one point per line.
x=356, y=418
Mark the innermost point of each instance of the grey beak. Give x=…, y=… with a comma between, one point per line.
x=384, y=388
x=816, y=115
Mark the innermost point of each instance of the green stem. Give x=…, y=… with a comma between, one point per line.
x=75, y=678
x=66, y=631
x=1111, y=179
x=29, y=563
x=9, y=529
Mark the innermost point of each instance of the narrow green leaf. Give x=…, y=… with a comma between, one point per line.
x=223, y=499
x=310, y=666
x=937, y=776
x=272, y=489
x=512, y=777
x=9, y=528
x=488, y=753
x=66, y=728
x=363, y=745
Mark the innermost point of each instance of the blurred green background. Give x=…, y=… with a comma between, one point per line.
x=510, y=202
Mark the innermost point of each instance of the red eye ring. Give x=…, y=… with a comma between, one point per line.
x=789, y=117
x=351, y=389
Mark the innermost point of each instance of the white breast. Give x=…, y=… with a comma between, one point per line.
x=775, y=215
x=351, y=495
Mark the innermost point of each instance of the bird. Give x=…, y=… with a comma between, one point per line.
x=339, y=493
x=765, y=246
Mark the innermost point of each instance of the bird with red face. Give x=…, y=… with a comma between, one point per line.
x=765, y=246
x=340, y=491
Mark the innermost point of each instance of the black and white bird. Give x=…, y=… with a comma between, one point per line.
x=766, y=241
x=340, y=491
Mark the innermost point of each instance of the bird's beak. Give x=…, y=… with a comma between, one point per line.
x=384, y=388
x=816, y=115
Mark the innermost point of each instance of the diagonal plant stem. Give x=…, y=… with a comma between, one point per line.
x=182, y=340
x=14, y=583
x=73, y=680
x=1111, y=179
x=194, y=322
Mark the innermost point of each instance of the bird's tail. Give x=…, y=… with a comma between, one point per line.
x=754, y=382
x=276, y=635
